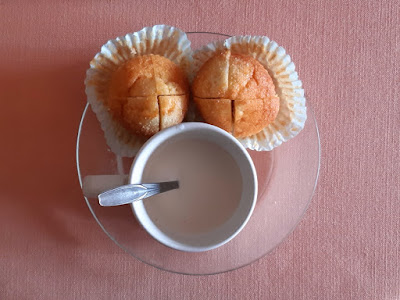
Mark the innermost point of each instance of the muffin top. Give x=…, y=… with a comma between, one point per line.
x=148, y=75
x=233, y=76
x=148, y=93
x=244, y=81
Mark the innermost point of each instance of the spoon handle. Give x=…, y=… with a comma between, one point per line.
x=134, y=192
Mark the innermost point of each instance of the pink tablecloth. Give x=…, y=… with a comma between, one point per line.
x=346, y=247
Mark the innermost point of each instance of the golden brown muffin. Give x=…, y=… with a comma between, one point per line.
x=148, y=93
x=243, y=80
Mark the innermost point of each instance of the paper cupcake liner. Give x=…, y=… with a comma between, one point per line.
x=292, y=112
x=167, y=41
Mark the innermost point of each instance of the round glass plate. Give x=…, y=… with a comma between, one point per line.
x=287, y=177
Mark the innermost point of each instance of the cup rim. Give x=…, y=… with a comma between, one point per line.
x=158, y=139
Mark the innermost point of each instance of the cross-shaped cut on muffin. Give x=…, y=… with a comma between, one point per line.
x=148, y=93
x=237, y=89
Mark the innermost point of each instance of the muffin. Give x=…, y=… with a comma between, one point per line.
x=147, y=94
x=248, y=86
x=137, y=85
x=243, y=92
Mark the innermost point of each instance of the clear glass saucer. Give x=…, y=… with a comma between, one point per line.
x=287, y=177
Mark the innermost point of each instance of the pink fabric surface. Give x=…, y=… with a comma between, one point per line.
x=347, y=54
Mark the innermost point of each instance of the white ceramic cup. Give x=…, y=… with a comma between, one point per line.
x=227, y=231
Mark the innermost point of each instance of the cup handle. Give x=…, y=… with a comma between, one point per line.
x=93, y=185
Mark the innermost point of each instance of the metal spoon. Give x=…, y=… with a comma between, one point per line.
x=134, y=192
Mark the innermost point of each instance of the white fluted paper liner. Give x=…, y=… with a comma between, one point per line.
x=292, y=113
x=167, y=41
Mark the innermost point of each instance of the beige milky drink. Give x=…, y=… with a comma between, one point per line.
x=210, y=187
